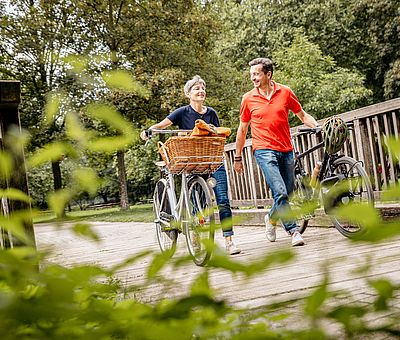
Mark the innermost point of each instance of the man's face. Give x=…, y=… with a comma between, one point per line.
x=258, y=77
x=197, y=92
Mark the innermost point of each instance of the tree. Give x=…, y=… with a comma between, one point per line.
x=34, y=38
x=323, y=88
x=379, y=23
x=102, y=163
x=142, y=173
x=274, y=29
x=252, y=29
x=105, y=22
x=160, y=61
x=360, y=35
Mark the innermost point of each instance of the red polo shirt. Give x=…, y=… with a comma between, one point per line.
x=269, y=119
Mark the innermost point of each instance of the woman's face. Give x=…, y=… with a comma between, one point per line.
x=197, y=92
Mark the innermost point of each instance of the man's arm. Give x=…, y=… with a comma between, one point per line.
x=240, y=140
x=161, y=125
x=307, y=119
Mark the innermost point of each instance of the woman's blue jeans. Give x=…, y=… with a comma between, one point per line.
x=278, y=170
x=224, y=206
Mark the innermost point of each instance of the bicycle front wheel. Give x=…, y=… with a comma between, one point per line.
x=301, y=196
x=163, y=218
x=354, y=187
x=199, y=229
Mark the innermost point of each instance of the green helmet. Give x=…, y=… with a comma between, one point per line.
x=335, y=133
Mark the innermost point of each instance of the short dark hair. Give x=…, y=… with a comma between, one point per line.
x=265, y=62
x=190, y=83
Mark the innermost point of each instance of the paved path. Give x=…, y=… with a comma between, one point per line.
x=325, y=247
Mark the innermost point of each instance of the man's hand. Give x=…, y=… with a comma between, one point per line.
x=240, y=141
x=307, y=119
x=238, y=166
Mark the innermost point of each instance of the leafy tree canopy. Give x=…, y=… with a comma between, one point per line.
x=323, y=88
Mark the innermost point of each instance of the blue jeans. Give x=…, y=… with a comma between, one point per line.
x=224, y=206
x=278, y=170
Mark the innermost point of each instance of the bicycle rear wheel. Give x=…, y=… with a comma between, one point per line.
x=354, y=187
x=163, y=218
x=200, y=225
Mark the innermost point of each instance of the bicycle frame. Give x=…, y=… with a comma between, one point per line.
x=327, y=161
x=178, y=206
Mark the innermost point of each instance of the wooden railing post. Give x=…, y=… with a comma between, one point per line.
x=10, y=121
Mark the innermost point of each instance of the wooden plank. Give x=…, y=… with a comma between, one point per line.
x=251, y=176
x=395, y=123
x=228, y=169
x=370, y=110
x=390, y=158
x=325, y=250
x=358, y=136
x=250, y=203
x=381, y=153
x=353, y=144
x=247, y=175
x=371, y=134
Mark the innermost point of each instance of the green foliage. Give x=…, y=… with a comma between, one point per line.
x=136, y=213
x=141, y=172
x=359, y=35
x=323, y=88
x=40, y=184
x=87, y=301
x=42, y=300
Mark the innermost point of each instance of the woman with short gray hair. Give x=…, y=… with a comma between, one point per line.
x=185, y=117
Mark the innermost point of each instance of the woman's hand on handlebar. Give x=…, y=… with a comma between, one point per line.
x=145, y=134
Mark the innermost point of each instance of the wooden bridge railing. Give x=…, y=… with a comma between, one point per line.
x=367, y=143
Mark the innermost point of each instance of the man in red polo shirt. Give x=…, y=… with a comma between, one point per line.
x=266, y=108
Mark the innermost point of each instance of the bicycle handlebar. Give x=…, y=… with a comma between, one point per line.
x=150, y=132
x=318, y=129
x=310, y=130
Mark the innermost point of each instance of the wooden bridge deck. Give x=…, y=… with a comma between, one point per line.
x=325, y=247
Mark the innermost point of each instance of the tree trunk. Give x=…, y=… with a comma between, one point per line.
x=57, y=181
x=55, y=166
x=123, y=187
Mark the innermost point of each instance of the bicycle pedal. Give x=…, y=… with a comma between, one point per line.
x=166, y=217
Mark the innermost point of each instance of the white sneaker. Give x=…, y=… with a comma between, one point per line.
x=270, y=229
x=231, y=248
x=297, y=240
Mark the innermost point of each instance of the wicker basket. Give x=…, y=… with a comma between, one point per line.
x=195, y=155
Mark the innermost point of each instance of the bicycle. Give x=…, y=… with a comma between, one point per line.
x=192, y=214
x=338, y=180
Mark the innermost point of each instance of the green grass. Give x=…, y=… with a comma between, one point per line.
x=136, y=213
